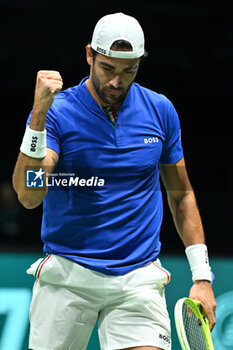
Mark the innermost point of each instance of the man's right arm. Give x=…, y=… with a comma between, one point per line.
x=31, y=198
x=48, y=84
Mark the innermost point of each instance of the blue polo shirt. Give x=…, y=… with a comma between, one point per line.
x=110, y=224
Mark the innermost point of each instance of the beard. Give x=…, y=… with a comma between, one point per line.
x=106, y=96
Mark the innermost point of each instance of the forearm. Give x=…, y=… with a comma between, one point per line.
x=30, y=198
x=34, y=155
x=187, y=218
x=189, y=226
x=188, y=223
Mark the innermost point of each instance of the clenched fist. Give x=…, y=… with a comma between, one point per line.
x=48, y=83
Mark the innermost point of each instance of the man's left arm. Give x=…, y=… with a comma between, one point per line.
x=183, y=206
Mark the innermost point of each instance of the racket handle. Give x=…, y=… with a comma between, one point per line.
x=212, y=277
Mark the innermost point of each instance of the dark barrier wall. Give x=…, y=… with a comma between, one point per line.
x=15, y=294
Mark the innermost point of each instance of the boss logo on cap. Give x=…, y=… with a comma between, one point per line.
x=100, y=50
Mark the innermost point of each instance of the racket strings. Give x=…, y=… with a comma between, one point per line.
x=193, y=330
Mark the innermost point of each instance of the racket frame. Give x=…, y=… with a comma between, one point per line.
x=204, y=323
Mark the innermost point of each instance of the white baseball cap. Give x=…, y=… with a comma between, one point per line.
x=118, y=26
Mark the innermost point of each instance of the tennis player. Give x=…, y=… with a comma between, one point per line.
x=101, y=239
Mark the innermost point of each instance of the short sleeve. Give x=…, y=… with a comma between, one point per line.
x=172, y=148
x=53, y=140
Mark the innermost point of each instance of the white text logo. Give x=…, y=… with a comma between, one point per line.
x=151, y=140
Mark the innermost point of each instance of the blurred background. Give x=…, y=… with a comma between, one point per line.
x=190, y=61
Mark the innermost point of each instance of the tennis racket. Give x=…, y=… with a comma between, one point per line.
x=192, y=326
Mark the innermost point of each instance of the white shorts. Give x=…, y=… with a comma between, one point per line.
x=68, y=299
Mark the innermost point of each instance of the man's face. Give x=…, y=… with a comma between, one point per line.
x=112, y=78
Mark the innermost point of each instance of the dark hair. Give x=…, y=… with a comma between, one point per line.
x=120, y=45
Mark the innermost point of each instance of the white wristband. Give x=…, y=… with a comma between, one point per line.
x=34, y=143
x=197, y=255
